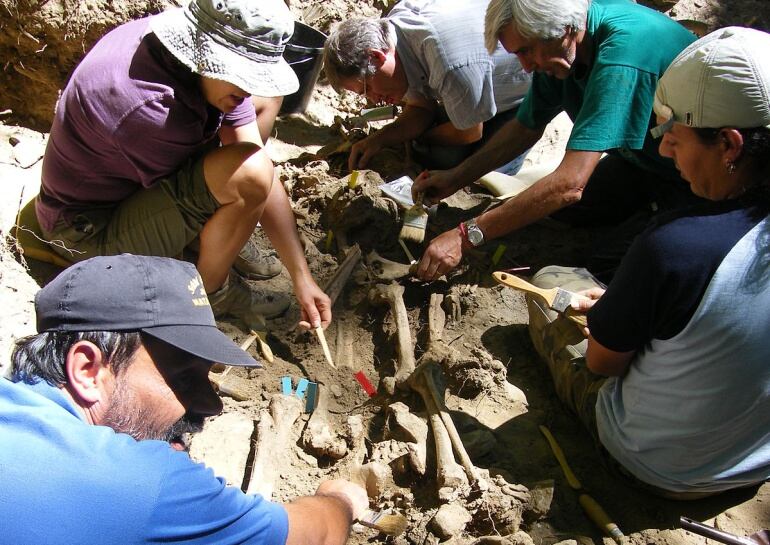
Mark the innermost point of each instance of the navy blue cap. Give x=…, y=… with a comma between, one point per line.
x=159, y=296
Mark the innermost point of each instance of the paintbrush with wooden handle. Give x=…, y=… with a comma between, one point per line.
x=557, y=299
x=387, y=523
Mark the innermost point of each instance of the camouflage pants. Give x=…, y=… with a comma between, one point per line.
x=562, y=345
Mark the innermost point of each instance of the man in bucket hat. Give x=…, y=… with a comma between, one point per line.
x=118, y=369
x=155, y=147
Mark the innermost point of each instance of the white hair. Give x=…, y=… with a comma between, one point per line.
x=538, y=19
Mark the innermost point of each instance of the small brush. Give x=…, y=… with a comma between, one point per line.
x=415, y=222
x=392, y=525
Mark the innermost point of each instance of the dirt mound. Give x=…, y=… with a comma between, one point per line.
x=41, y=42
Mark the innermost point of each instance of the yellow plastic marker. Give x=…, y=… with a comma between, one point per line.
x=498, y=254
x=329, y=238
x=353, y=179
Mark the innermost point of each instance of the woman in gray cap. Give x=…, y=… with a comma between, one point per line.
x=681, y=331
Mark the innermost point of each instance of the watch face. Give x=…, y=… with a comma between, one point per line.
x=475, y=236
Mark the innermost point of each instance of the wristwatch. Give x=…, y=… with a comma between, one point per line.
x=474, y=233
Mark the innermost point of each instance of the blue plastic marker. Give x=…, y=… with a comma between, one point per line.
x=301, y=387
x=312, y=395
x=286, y=386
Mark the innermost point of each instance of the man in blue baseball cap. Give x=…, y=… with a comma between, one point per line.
x=118, y=370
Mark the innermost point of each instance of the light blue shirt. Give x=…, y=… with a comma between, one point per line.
x=441, y=46
x=65, y=481
x=693, y=411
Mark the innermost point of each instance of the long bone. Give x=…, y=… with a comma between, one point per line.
x=274, y=432
x=437, y=353
x=393, y=294
x=319, y=437
x=449, y=474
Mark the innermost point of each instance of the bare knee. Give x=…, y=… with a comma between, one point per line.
x=254, y=178
x=239, y=173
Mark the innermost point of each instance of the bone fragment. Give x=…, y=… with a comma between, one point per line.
x=344, y=345
x=454, y=437
x=436, y=318
x=274, y=438
x=319, y=438
x=393, y=294
x=438, y=352
x=449, y=474
x=384, y=270
x=453, y=304
x=336, y=283
x=402, y=424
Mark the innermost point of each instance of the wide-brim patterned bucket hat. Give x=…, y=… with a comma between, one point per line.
x=237, y=41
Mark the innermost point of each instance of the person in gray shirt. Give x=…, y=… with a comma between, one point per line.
x=430, y=55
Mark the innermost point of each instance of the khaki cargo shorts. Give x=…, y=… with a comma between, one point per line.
x=159, y=221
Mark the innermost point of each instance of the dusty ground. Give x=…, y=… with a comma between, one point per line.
x=497, y=390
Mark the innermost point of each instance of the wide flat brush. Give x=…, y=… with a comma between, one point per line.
x=415, y=222
x=390, y=524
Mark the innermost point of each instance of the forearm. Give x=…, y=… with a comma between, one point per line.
x=318, y=520
x=535, y=203
x=509, y=142
x=605, y=362
x=447, y=134
x=281, y=228
x=562, y=187
x=411, y=124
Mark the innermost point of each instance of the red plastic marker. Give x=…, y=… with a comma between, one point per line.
x=365, y=384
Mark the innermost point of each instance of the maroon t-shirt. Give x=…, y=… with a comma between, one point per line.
x=129, y=115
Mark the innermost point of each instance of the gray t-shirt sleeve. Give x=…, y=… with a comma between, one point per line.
x=467, y=95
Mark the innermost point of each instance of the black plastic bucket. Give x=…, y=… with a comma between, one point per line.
x=304, y=53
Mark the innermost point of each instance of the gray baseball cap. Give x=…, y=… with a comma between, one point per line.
x=721, y=80
x=237, y=41
x=159, y=296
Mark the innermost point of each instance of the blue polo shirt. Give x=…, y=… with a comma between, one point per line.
x=65, y=481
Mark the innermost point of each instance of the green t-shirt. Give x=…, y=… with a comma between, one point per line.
x=610, y=103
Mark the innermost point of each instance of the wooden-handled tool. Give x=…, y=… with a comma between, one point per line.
x=594, y=511
x=557, y=299
x=389, y=524
x=319, y=331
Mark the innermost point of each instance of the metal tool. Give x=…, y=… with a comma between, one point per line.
x=761, y=537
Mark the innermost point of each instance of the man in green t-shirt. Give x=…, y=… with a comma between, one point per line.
x=595, y=61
